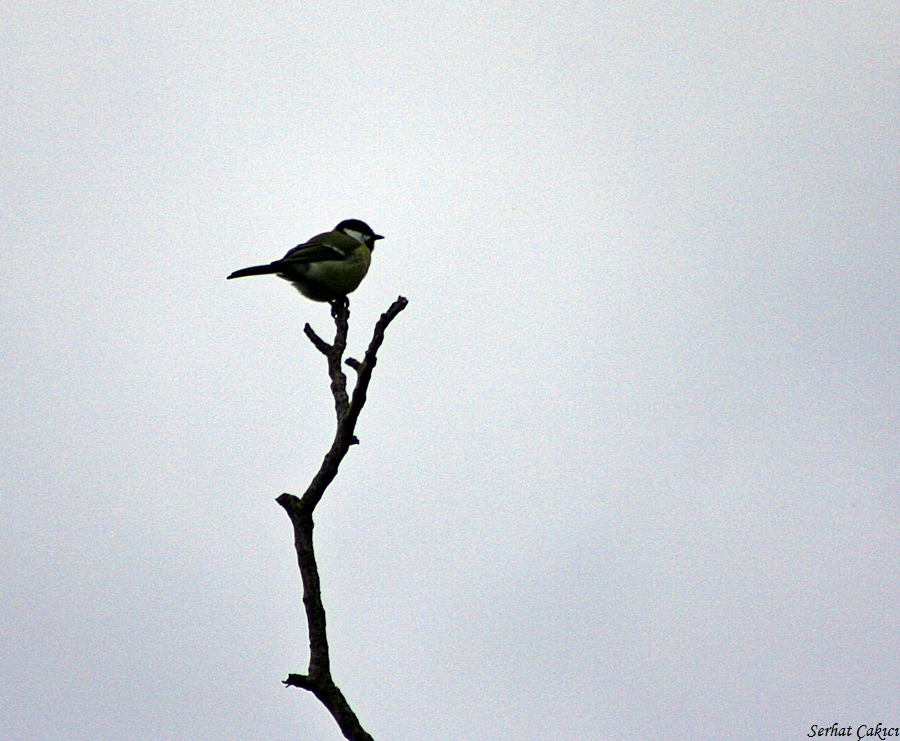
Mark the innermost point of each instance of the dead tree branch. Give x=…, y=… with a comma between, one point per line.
x=318, y=678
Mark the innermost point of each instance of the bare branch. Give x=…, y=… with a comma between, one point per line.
x=318, y=679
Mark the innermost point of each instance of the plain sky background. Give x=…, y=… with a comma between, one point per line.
x=629, y=468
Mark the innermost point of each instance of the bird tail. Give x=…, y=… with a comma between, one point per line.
x=256, y=270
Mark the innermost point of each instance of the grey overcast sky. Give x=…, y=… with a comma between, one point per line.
x=629, y=468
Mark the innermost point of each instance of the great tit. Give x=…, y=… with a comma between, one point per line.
x=328, y=266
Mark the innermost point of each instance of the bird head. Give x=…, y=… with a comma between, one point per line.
x=359, y=230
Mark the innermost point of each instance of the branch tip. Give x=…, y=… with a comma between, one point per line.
x=320, y=344
x=297, y=680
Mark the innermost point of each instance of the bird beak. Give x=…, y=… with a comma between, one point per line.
x=376, y=236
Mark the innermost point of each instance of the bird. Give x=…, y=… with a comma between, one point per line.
x=326, y=267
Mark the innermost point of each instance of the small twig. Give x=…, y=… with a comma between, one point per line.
x=318, y=679
x=322, y=346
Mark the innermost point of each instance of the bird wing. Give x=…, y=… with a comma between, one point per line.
x=328, y=246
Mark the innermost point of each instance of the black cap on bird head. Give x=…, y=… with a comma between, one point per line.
x=358, y=226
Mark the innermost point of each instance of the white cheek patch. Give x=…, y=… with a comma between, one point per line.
x=358, y=236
